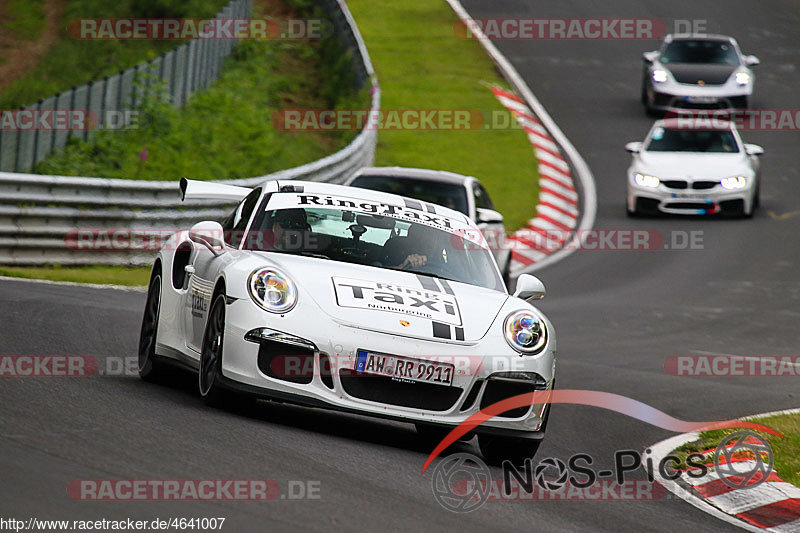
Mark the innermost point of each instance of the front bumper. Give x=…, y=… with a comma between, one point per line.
x=321, y=373
x=716, y=201
x=677, y=97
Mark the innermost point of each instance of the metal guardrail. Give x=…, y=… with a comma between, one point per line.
x=107, y=102
x=38, y=213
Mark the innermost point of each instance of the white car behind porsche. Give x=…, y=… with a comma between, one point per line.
x=694, y=166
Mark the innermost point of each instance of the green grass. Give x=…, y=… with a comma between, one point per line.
x=225, y=132
x=422, y=64
x=115, y=275
x=27, y=18
x=70, y=62
x=786, y=451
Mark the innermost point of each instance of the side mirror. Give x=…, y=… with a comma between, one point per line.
x=634, y=147
x=209, y=234
x=753, y=149
x=649, y=57
x=529, y=288
x=489, y=216
x=751, y=61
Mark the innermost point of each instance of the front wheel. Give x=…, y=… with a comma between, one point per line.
x=432, y=434
x=149, y=365
x=210, y=389
x=757, y=196
x=516, y=450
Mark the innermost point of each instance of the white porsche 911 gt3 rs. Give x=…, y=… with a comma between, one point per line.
x=694, y=166
x=350, y=299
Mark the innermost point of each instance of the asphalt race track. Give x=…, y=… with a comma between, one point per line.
x=619, y=315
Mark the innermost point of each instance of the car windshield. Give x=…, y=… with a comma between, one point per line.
x=449, y=195
x=700, y=51
x=686, y=140
x=374, y=240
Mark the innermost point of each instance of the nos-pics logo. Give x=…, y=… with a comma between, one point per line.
x=462, y=482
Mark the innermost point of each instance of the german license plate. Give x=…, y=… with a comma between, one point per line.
x=702, y=99
x=689, y=196
x=406, y=369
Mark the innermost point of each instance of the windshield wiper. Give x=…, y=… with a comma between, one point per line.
x=427, y=274
x=299, y=252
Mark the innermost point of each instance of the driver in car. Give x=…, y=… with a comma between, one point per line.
x=288, y=228
x=420, y=238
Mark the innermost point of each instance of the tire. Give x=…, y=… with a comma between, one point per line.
x=649, y=110
x=498, y=449
x=757, y=197
x=208, y=382
x=433, y=435
x=743, y=104
x=150, y=368
x=643, y=92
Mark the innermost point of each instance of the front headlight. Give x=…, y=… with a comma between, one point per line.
x=644, y=180
x=735, y=182
x=525, y=332
x=660, y=75
x=272, y=290
x=742, y=78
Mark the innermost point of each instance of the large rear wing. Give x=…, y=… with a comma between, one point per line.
x=204, y=190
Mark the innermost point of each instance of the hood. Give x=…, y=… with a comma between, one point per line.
x=697, y=165
x=394, y=302
x=691, y=73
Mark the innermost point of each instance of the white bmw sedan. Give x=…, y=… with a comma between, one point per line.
x=695, y=167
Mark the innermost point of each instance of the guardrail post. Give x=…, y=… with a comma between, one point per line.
x=8, y=149
x=95, y=105
x=126, y=96
x=26, y=144
x=168, y=73
x=44, y=131
x=189, y=84
x=80, y=100
x=181, y=68
x=203, y=63
x=63, y=103
x=111, y=105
